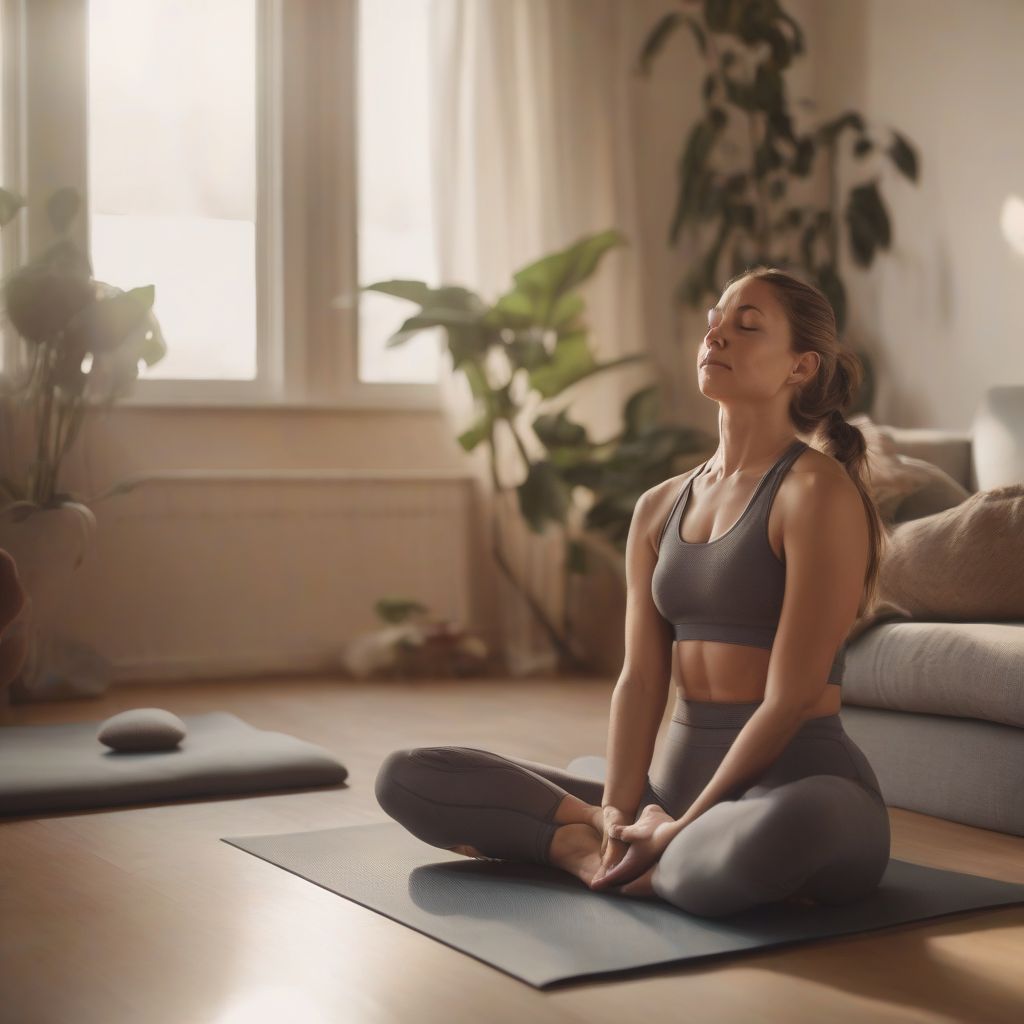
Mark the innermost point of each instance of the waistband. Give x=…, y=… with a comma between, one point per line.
x=729, y=715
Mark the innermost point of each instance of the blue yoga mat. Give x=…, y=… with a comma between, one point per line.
x=543, y=926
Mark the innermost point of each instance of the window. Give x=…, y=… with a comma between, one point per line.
x=219, y=147
x=171, y=173
x=396, y=231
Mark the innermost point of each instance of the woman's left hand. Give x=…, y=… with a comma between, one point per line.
x=647, y=837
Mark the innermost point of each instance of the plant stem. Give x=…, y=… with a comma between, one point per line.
x=566, y=655
x=833, y=192
x=762, y=200
x=43, y=428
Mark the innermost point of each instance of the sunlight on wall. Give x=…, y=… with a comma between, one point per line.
x=1011, y=220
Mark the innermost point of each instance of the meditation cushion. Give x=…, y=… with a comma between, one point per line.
x=142, y=729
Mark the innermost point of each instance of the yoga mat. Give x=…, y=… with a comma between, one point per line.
x=543, y=926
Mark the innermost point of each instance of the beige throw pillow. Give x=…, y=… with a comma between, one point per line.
x=962, y=564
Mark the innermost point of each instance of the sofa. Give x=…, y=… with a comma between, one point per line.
x=938, y=706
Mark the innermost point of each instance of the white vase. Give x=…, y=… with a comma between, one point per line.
x=47, y=545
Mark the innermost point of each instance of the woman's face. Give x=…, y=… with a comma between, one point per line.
x=747, y=343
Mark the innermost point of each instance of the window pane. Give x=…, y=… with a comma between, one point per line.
x=396, y=233
x=172, y=173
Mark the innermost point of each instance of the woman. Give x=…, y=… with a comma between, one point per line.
x=743, y=579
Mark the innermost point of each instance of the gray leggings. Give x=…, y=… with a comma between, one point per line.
x=813, y=825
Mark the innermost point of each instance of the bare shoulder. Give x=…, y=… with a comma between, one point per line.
x=818, y=465
x=817, y=485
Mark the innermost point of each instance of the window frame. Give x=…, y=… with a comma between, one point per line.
x=306, y=134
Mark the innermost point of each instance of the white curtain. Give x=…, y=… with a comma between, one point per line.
x=531, y=150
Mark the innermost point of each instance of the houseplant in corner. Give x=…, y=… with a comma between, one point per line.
x=81, y=340
x=746, y=171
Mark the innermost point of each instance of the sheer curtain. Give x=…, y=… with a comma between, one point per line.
x=531, y=149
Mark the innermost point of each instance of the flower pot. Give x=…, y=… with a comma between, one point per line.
x=47, y=546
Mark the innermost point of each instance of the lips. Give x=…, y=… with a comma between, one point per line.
x=713, y=362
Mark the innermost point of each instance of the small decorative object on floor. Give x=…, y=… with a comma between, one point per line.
x=430, y=648
x=142, y=729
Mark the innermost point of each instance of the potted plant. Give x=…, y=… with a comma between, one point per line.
x=82, y=340
x=529, y=349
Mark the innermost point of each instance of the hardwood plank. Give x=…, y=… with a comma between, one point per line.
x=142, y=914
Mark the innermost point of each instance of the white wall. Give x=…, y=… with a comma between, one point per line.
x=939, y=314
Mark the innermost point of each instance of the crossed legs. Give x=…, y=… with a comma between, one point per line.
x=824, y=837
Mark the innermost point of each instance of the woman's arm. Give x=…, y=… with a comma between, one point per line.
x=636, y=713
x=639, y=697
x=825, y=539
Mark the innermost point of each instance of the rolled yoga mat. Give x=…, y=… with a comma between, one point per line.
x=542, y=926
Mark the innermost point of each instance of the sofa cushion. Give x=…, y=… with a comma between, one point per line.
x=940, y=492
x=950, y=450
x=962, y=669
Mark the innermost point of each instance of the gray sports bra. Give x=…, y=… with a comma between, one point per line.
x=729, y=589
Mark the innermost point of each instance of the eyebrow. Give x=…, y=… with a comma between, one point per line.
x=739, y=309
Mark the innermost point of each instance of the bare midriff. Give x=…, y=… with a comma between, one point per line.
x=733, y=673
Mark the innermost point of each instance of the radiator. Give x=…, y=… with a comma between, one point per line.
x=213, y=573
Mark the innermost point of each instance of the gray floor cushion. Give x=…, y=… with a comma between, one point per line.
x=65, y=767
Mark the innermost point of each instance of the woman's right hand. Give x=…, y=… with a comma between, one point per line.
x=612, y=850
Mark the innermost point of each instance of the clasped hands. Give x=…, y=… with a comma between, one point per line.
x=629, y=852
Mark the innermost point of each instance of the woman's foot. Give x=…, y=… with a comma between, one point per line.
x=576, y=848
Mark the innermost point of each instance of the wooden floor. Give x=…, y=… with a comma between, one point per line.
x=142, y=915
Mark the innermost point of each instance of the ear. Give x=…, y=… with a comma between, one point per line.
x=807, y=366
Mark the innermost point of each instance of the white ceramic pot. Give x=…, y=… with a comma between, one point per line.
x=47, y=545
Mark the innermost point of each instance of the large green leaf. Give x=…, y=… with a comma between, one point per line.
x=556, y=430
x=641, y=412
x=548, y=279
x=435, y=317
x=572, y=361
x=447, y=297
x=543, y=496
x=904, y=156
x=868, y=222
x=656, y=39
